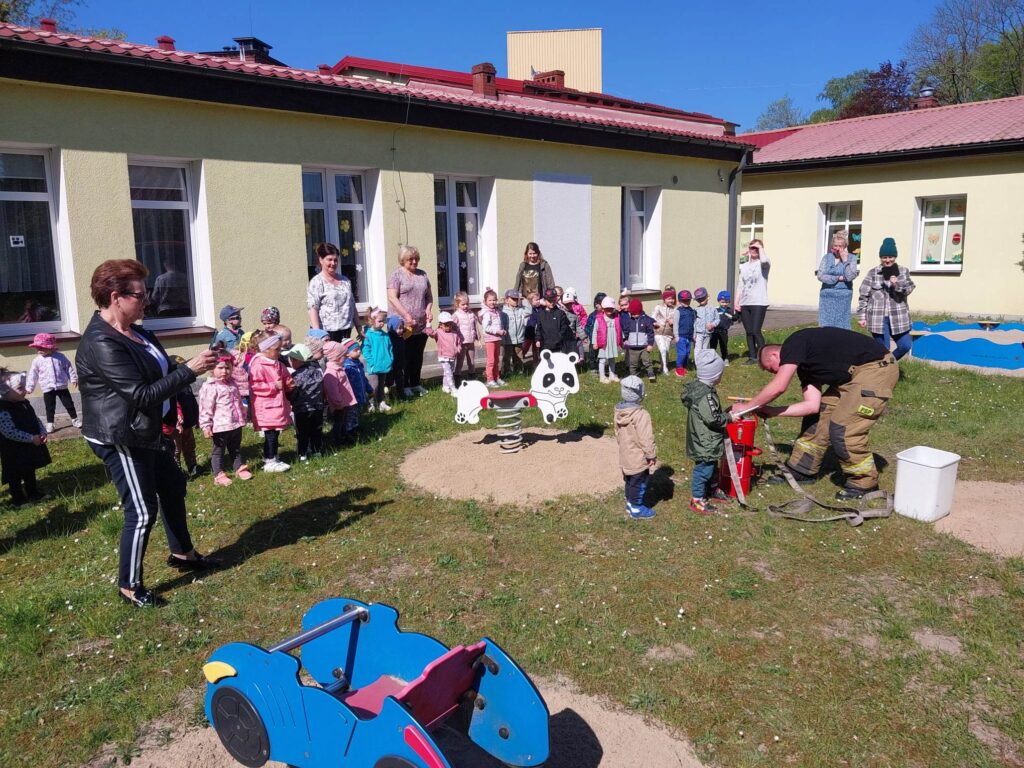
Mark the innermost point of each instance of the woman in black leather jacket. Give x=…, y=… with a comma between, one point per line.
x=128, y=384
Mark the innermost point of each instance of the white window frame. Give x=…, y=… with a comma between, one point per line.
x=749, y=231
x=828, y=222
x=63, y=272
x=943, y=266
x=201, y=298
x=650, y=243
x=330, y=206
x=451, y=211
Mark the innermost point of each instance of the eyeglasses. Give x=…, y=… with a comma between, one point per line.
x=138, y=296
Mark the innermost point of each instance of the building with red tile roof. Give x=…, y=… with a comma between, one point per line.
x=222, y=170
x=947, y=183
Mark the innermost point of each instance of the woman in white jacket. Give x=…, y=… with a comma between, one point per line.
x=752, y=297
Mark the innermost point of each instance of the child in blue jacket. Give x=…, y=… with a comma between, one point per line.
x=379, y=356
x=355, y=372
x=685, y=319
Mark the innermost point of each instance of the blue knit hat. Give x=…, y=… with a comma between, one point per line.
x=888, y=248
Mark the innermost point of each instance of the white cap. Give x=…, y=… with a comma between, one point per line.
x=569, y=295
x=445, y=317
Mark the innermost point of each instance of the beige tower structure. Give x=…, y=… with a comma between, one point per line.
x=577, y=52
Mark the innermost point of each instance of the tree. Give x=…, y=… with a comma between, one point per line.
x=887, y=89
x=781, y=113
x=29, y=12
x=837, y=92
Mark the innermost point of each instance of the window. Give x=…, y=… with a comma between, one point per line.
x=634, y=230
x=457, y=228
x=335, y=212
x=840, y=216
x=28, y=279
x=940, y=246
x=751, y=227
x=162, y=220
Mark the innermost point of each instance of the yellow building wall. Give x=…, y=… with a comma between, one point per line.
x=991, y=282
x=577, y=52
x=248, y=163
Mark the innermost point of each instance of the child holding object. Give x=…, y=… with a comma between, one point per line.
x=269, y=385
x=53, y=372
x=22, y=441
x=637, y=450
x=449, y=342
x=221, y=417
x=705, y=428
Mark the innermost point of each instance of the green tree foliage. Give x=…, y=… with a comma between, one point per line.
x=837, y=93
x=29, y=12
x=781, y=113
x=971, y=50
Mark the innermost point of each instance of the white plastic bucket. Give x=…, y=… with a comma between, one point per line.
x=925, y=479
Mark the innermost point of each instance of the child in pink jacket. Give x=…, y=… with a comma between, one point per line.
x=465, y=321
x=269, y=385
x=449, y=343
x=490, y=318
x=221, y=417
x=341, y=399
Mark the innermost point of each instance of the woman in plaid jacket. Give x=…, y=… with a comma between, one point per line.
x=883, y=306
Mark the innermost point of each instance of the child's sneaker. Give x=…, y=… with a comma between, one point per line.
x=501, y=382
x=243, y=473
x=383, y=407
x=492, y=385
x=720, y=495
x=612, y=377
x=49, y=427
x=222, y=479
x=275, y=465
x=605, y=380
x=680, y=372
x=701, y=507
x=370, y=408
x=651, y=377
x=640, y=512
x=76, y=423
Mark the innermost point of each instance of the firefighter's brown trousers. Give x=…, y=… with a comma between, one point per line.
x=846, y=416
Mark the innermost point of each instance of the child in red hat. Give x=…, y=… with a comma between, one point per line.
x=53, y=372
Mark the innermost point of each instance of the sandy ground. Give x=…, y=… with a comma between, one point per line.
x=988, y=516
x=480, y=471
x=586, y=732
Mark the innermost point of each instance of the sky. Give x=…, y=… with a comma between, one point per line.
x=726, y=59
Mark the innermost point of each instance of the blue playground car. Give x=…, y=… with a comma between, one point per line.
x=378, y=694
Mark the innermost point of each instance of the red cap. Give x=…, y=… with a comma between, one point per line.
x=636, y=307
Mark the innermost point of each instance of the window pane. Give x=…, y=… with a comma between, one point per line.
x=856, y=212
x=958, y=207
x=635, y=257
x=441, y=232
x=935, y=209
x=931, y=242
x=465, y=194
x=162, y=244
x=837, y=213
x=954, y=253
x=22, y=173
x=440, y=192
x=351, y=254
x=156, y=182
x=855, y=243
x=315, y=233
x=747, y=216
x=348, y=189
x=28, y=284
x=469, y=261
x=312, y=188
x=636, y=200
x=759, y=215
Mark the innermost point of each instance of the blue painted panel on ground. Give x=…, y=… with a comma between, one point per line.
x=983, y=352
x=952, y=325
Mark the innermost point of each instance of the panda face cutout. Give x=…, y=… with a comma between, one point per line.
x=553, y=381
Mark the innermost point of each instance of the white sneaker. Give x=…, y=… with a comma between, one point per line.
x=419, y=391
x=303, y=457
x=612, y=377
x=49, y=427
x=275, y=465
x=446, y=390
x=500, y=382
x=371, y=408
x=76, y=423
x=407, y=392
x=383, y=407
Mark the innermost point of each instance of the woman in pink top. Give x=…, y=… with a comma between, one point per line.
x=221, y=417
x=269, y=385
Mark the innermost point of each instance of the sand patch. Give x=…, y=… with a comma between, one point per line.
x=586, y=732
x=554, y=463
x=934, y=641
x=988, y=516
x=675, y=652
x=1003, y=748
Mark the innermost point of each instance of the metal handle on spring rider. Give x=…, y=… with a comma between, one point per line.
x=320, y=630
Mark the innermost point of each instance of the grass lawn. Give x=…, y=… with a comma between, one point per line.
x=767, y=642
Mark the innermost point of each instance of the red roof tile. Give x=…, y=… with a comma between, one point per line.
x=957, y=125
x=568, y=112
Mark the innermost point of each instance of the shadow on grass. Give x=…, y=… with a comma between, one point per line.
x=661, y=486
x=573, y=745
x=531, y=435
x=68, y=482
x=371, y=427
x=59, y=521
x=312, y=518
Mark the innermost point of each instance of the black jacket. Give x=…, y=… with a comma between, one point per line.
x=21, y=459
x=308, y=394
x=553, y=331
x=123, y=388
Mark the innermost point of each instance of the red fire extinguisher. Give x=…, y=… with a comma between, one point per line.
x=742, y=435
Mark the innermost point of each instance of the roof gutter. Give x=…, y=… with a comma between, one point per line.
x=37, y=62
x=879, y=158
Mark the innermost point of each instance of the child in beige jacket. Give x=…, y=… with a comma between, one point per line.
x=637, y=451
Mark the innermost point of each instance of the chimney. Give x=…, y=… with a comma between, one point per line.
x=324, y=69
x=483, y=80
x=254, y=50
x=555, y=78
x=925, y=99
x=48, y=25
x=165, y=43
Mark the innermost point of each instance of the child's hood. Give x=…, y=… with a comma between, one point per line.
x=627, y=414
x=694, y=391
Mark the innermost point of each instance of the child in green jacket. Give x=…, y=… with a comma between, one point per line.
x=705, y=428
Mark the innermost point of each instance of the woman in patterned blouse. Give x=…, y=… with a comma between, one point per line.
x=331, y=302
x=411, y=298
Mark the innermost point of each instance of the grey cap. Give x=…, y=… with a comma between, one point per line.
x=229, y=311
x=632, y=388
x=709, y=366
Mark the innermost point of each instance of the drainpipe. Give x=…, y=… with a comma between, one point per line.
x=734, y=194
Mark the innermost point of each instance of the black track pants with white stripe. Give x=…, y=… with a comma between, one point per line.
x=147, y=480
